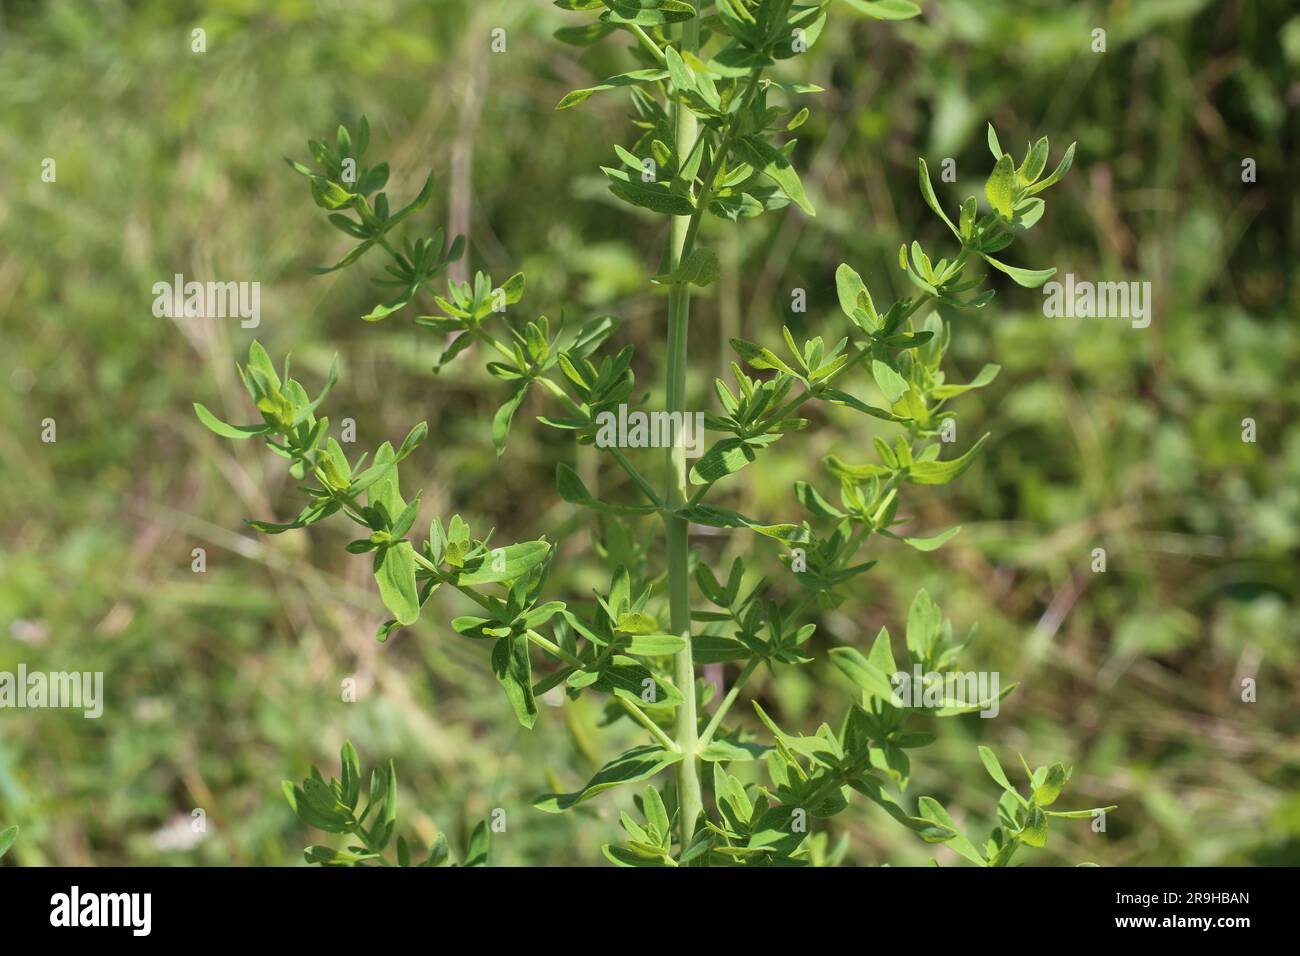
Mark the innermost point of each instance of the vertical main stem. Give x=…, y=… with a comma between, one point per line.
x=690, y=801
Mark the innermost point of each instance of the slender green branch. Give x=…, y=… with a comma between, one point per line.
x=719, y=157
x=470, y=593
x=647, y=41
x=644, y=720
x=559, y=392
x=555, y=649
x=804, y=600
x=487, y=338
x=428, y=565
x=362, y=834
x=696, y=498
x=741, y=679
x=788, y=407
x=855, y=542
x=348, y=502
x=636, y=476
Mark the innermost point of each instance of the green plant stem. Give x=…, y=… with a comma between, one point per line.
x=790, y=406
x=727, y=701
x=699, y=495
x=681, y=241
x=743, y=678
x=856, y=542
x=556, y=390
x=362, y=834
x=719, y=157
x=636, y=476
x=349, y=503
x=690, y=800
x=644, y=720
x=487, y=338
x=794, y=612
x=555, y=649
x=647, y=42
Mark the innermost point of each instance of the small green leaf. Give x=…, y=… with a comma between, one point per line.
x=1045, y=793
x=953, y=708
x=756, y=356
x=862, y=672
x=414, y=438
x=385, y=309
x=623, y=79
x=635, y=622
x=1034, y=162
x=656, y=813
x=504, y=416
x=504, y=564
x=1080, y=814
x=994, y=146
x=419, y=202
x=514, y=671
x=228, y=431
x=808, y=496
x=728, y=751
x=930, y=544
x=933, y=809
x=395, y=574
x=512, y=290
x=986, y=375
x=853, y=295
x=773, y=163
x=928, y=830
x=480, y=843
x=350, y=764
x=1034, y=832
x=1028, y=212
x=329, y=195
x=889, y=381
x=726, y=457
x=942, y=472
x=1066, y=161
x=657, y=197
x=682, y=76
x=653, y=645
x=1028, y=278
x=700, y=268
x=718, y=517
x=835, y=397
x=927, y=193
x=586, y=34
x=998, y=189
x=886, y=9
x=709, y=649
x=994, y=768
x=572, y=490
x=639, y=763
x=649, y=13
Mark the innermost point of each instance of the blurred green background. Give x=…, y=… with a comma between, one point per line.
x=221, y=684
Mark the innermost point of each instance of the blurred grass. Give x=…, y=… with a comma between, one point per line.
x=222, y=684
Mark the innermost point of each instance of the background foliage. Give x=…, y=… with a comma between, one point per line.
x=220, y=685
